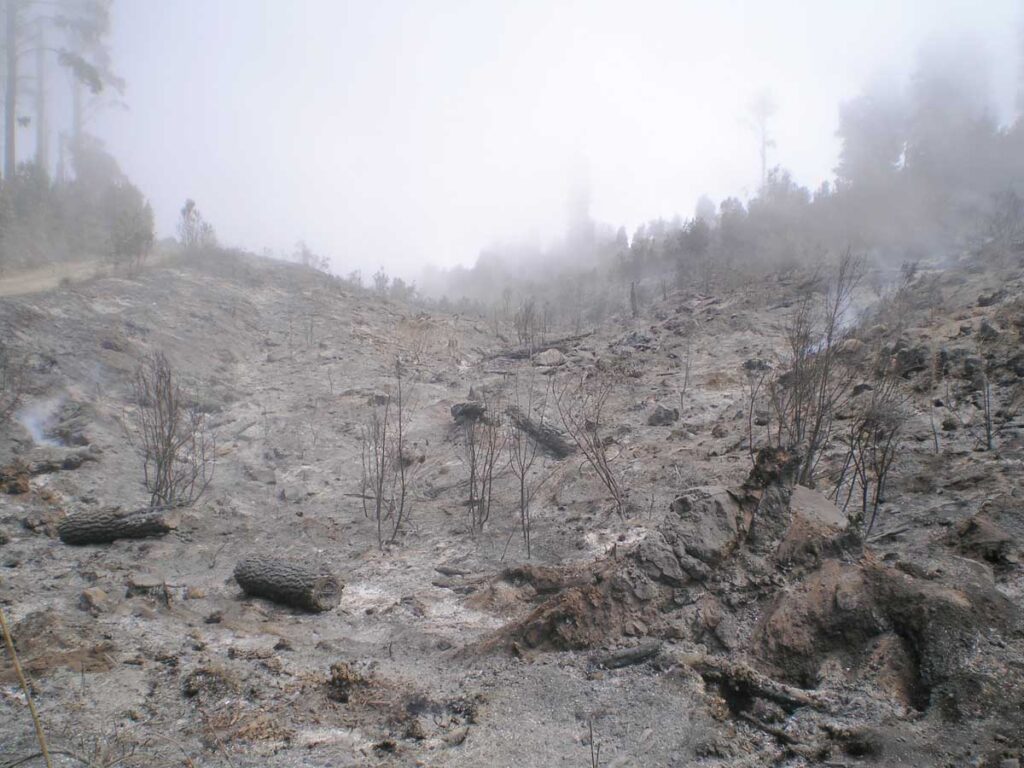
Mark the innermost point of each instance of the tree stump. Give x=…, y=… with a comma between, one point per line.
x=293, y=584
x=111, y=523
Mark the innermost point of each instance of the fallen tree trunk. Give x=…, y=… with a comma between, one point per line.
x=626, y=657
x=524, y=353
x=546, y=436
x=293, y=584
x=105, y=525
x=746, y=680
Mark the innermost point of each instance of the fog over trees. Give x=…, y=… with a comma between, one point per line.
x=925, y=169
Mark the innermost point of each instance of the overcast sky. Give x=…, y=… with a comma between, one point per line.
x=405, y=133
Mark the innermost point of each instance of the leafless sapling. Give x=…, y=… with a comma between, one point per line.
x=485, y=440
x=755, y=371
x=526, y=323
x=581, y=407
x=522, y=453
x=813, y=382
x=873, y=441
x=171, y=434
x=385, y=463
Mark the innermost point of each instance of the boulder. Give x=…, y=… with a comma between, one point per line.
x=662, y=416
x=841, y=611
x=707, y=523
x=549, y=357
x=93, y=600
x=910, y=360
x=979, y=538
x=830, y=612
x=988, y=332
x=816, y=527
x=659, y=561
x=464, y=413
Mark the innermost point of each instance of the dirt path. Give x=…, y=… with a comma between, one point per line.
x=46, y=278
x=49, y=276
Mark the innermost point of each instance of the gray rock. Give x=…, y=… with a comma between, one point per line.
x=468, y=412
x=707, y=523
x=662, y=416
x=549, y=357
x=988, y=332
x=659, y=562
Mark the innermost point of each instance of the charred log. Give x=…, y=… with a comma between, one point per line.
x=112, y=523
x=546, y=436
x=293, y=584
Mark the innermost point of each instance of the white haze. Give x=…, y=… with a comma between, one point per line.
x=400, y=133
x=37, y=417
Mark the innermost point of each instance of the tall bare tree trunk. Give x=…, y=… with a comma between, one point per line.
x=76, y=116
x=11, y=89
x=42, y=119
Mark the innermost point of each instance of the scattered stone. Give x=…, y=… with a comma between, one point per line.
x=45, y=521
x=465, y=413
x=988, y=332
x=839, y=610
x=988, y=299
x=638, y=340
x=662, y=416
x=293, y=491
x=549, y=357
x=261, y=474
x=94, y=600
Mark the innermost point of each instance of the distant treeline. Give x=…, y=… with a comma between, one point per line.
x=75, y=204
x=924, y=171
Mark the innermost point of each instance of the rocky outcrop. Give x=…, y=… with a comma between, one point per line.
x=840, y=613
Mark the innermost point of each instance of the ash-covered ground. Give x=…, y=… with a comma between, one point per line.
x=729, y=617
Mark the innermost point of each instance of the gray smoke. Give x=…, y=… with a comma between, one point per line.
x=38, y=418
